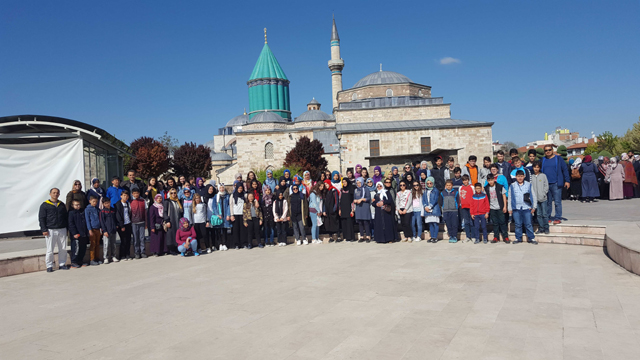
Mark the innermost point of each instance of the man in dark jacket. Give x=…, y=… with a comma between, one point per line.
x=558, y=176
x=133, y=183
x=438, y=173
x=79, y=234
x=109, y=228
x=53, y=225
x=123, y=218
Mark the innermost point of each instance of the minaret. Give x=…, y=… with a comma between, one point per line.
x=336, y=64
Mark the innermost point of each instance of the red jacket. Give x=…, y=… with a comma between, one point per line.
x=182, y=235
x=466, y=192
x=479, y=204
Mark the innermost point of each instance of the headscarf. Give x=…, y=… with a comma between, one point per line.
x=587, y=159
x=357, y=172
x=175, y=198
x=99, y=189
x=307, y=183
x=183, y=221
x=268, y=198
x=198, y=182
x=271, y=182
x=287, y=171
x=236, y=181
x=372, y=187
x=190, y=197
x=614, y=162
x=296, y=186
x=433, y=182
x=302, y=190
x=329, y=184
x=624, y=157
x=160, y=207
x=383, y=192
x=279, y=203
x=207, y=196
x=576, y=163
x=333, y=174
x=237, y=195
x=375, y=177
x=604, y=163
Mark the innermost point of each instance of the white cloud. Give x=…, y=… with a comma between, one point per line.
x=449, y=60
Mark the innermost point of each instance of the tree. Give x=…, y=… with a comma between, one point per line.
x=632, y=137
x=591, y=148
x=151, y=157
x=609, y=142
x=261, y=175
x=307, y=155
x=170, y=142
x=539, y=153
x=508, y=145
x=562, y=151
x=192, y=160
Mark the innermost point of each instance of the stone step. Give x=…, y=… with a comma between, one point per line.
x=577, y=229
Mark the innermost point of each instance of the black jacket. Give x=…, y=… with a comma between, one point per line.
x=139, y=184
x=52, y=216
x=499, y=192
x=438, y=176
x=108, y=222
x=77, y=223
x=120, y=214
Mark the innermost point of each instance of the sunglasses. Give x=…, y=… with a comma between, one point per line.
x=548, y=150
x=416, y=185
x=402, y=185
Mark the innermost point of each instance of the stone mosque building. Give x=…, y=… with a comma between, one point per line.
x=385, y=119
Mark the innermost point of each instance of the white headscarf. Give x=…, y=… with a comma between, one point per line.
x=576, y=164
x=383, y=192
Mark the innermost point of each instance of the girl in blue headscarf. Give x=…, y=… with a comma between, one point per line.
x=270, y=181
x=362, y=201
x=335, y=180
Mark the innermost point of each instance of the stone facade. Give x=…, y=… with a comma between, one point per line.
x=394, y=113
x=377, y=91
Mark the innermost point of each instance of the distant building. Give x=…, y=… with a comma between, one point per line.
x=561, y=137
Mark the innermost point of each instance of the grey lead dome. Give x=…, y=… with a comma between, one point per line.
x=238, y=120
x=267, y=117
x=314, y=115
x=382, y=77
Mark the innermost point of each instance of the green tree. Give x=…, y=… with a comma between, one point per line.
x=609, y=142
x=562, y=151
x=261, y=175
x=170, y=142
x=591, y=148
x=192, y=160
x=539, y=153
x=632, y=137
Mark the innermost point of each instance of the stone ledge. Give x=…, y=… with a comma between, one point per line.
x=623, y=246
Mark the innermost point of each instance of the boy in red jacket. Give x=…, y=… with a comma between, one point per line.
x=480, y=214
x=466, y=193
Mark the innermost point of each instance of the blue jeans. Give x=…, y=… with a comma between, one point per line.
x=554, y=195
x=194, y=246
x=434, y=228
x=315, y=231
x=268, y=234
x=543, y=216
x=466, y=222
x=480, y=222
x=523, y=217
x=416, y=224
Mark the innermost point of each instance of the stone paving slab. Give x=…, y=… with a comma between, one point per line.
x=331, y=301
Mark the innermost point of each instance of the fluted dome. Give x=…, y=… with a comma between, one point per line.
x=382, y=77
x=267, y=117
x=220, y=156
x=238, y=120
x=314, y=115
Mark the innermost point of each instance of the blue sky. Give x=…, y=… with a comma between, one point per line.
x=139, y=68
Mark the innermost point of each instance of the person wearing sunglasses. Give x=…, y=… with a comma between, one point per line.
x=557, y=173
x=76, y=193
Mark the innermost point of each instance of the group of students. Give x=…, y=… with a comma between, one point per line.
x=188, y=216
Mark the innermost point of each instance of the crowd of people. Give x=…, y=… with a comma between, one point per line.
x=188, y=216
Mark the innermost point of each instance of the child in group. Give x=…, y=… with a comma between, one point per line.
x=79, y=234
x=123, y=217
x=499, y=178
x=449, y=170
x=448, y=202
x=516, y=164
x=471, y=169
x=185, y=238
x=457, y=179
x=201, y=222
x=504, y=167
x=108, y=228
x=418, y=212
x=522, y=205
x=252, y=220
x=138, y=222
x=280, y=210
x=540, y=186
x=485, y=170
x=532, y=155
x=432, y=211
x=497, y=208
x=466, y=193
x=480, y=214
x=114, y=191
x=266, y=203
x=92, y=216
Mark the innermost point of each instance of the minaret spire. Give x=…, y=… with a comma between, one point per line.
x=265, y=35
x=336, y=64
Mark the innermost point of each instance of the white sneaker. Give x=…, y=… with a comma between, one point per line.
x=299, y=242
x=208, y=251
x=115, y=259
x=417, y=239
x=305, y=242
x=106, y=261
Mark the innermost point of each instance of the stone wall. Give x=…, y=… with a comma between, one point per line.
x=396, y=113
x=472, y=140
x=376, y=91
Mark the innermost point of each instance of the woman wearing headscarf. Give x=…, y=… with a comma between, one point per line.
x=335, y=180
x=236, y=206
x=384, y=218
x=238, y=180
x=307, y=182
x=588, y=170
x=218, y=206
x=362, y=201
x=575, y=191
x=256, y=189
x=280, y=211
x=156, y=232
x=201, y=188
x=369, y=184
x=432, y=211
x=298, y=212
x=377, y=174
x=172, y=212
x=346, y=212
x=76, y=193
x=601, y=175
x=270, y=181
x=423, y=169
x=330, y=213
x=96, y=191
x=297, y=180
x=615, y=178
x=358, y=171
x=287, y=177
x=395, y=177
x=630, y=179
x=266, y=202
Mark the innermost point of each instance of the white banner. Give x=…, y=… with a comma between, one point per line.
x=28, y=172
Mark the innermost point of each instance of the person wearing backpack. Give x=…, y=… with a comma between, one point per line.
x=522, y=206
x=575, y=191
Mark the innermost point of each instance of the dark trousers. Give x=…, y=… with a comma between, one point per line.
x=253, y=231
x=405, y=225
x=499, y=224
x=239, y=232
x=221, y=237
x=468, y=222
x=347, y=229
x=202, y=235
x=365, y=228
x=125, y=241
x=78, y=249
x=281, y=228
x=480, y=223
x=451, y=219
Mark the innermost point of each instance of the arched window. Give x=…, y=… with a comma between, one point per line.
x=389, y=92
x=354, y=97
x=268, y=151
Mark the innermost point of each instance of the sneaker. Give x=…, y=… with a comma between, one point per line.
x=106, y=261
x=94, y=263
x=63, y=267
x=208, y=251
x=49, y=269
x=137, y=256
x=486, y=241
x=237, y=248
x=299, y=242
x=495, y=240
x=518, y=241
x=182, y=254
x=99, y=262
x=305, y=242
x=533, y=242
x=196, y=253
x=417, y=239
x=261, y=246
x=546, y=232
x=476, y=241
x=144, y=256
x=506, y=240
x=75, y=266
x=453, y=240
x=539, y=231
x=556, y=222
x=248, y=247
x=550, y=221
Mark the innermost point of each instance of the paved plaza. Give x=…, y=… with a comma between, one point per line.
x=335, y=301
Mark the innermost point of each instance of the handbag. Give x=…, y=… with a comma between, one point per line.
x=215, y=220
x=158, y=226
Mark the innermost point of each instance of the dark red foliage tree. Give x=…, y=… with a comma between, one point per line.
x=151, y=157
x=192, y=160
x=307, y=155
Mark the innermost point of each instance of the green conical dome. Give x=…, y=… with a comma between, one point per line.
x=267, y=66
